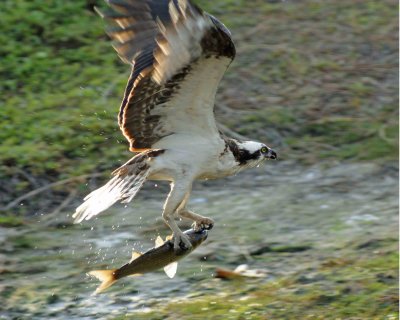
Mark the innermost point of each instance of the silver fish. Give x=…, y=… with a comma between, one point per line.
x=162, y=255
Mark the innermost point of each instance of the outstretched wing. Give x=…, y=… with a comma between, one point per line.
x=178, y=54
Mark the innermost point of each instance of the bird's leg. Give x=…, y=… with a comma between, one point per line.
x=200, y=222
x=174, y=200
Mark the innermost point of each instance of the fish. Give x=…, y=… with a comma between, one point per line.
x=163, y=255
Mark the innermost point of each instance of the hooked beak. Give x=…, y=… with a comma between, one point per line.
x=271, y=154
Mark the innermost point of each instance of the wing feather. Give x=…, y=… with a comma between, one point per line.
x=178, y=55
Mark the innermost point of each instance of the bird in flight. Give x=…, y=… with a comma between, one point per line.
x=178, y=54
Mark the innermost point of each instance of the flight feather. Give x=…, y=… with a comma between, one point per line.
x=178, y=54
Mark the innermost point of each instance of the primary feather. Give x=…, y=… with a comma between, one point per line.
x=178, y=54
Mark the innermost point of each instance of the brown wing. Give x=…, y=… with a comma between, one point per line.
x=178, y=55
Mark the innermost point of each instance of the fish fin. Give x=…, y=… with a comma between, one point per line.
x=107, y=278
x=170, y=269
x=135, y=255
x=159, y=242
x=135, y=275
x=167, y=238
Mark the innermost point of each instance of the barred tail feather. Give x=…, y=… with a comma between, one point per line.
x=122, y=187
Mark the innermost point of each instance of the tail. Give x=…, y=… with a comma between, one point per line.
x=107, y=278
x=127, y=181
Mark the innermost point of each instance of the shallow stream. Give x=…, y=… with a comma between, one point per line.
x=281, y=218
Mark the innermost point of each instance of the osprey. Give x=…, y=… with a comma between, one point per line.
x=178, y=55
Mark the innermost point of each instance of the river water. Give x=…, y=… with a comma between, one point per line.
x=43, y=265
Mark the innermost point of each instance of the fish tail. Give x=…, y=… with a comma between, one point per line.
x=107, y=278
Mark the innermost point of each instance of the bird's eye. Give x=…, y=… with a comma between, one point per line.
x=264, y=150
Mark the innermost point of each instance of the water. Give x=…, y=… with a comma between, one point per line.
x=43, y=265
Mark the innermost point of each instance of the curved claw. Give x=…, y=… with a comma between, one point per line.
x=182, y=242
x=209, y=226
x=203, y=224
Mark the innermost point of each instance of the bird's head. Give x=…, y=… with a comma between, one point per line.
x=250, y=153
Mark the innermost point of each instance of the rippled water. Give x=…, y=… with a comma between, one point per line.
x=43, y=265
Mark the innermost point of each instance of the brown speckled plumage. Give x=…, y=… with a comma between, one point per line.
x=135, y=28
x=178, y=55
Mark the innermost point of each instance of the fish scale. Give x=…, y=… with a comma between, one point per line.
x=162, y=255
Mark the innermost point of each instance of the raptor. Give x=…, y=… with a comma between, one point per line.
x=178, y=54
